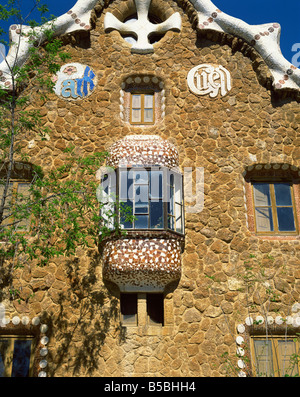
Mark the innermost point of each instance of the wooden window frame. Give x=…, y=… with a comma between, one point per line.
x=273, y=206
x=131, y=322
x=275, y=351
x=10, y=351
x=171, y=191
x=150, y=310
x=142, y=94
x=165, y=197
x=155, y=315
x=15, y=184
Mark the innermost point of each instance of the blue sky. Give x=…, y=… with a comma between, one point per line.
x=251, y=11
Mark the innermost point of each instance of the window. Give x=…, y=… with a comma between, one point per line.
x=275, y=356
x=175, y=202
x=142, y=100
x=153, y=196
x=106, y=194
x=142, y=309
x=155, y=309
x=274, y=207
x=142, y=108
x=18, y=192
x=128, y=309
x=16, y=356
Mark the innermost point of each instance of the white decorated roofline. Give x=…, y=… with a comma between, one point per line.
x=264, y=38
x=78, y=18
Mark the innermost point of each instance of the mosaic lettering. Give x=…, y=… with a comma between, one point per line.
x=209, y=80
x=74, y=81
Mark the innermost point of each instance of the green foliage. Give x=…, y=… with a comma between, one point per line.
x=257, y=276
x=61, y=211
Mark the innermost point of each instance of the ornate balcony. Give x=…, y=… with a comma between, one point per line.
x=147, y=180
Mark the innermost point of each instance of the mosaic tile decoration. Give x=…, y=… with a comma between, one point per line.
x=141, y=27
x=263, y=322
x=143, y=260
x=74, y=81
x=24, y=325
x=142, y=264
x=145, y=150
x=144, y=82
x=264, y=38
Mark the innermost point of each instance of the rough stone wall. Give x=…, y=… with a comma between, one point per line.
x=248, y=126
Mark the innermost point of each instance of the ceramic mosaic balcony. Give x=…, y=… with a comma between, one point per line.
x=148, y=182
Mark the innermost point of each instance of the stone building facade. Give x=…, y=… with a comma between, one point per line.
x=201, y=99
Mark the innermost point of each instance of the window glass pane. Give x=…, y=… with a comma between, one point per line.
x=105, y=185
x=21, y=358
x=130, y=185
x=141, y=222
x=261, y=194
x=141, y=208
x=129, y=308
x=170, y=208
x=141, y=176
x=171, y=201
x=136, y=116
x=179, y=225
x=3, y=354
x=9, y=192
x=155, y=308
x=124, y=184
x=141, y=195
x=23, y=192
x=285, y=217
x=108, y=214
x=129, y=319
x=136, y=101
x=126, y=210
x=7, y=209
x=287, y=358
x=148, y=115
x=156, y=178
x=171, y=222
x=264, y=220
x=23, y=189
x=171, y=179
x=106, y=192
x=178, y=188
x=156, y=215
x=283, y=194
x=148, y=101
x=178, y=218
x=263, y=358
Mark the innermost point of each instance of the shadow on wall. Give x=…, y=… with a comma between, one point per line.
x=87, y=312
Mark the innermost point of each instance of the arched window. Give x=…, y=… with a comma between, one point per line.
x=142, y=100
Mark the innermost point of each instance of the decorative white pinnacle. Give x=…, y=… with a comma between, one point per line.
x=142, y=28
